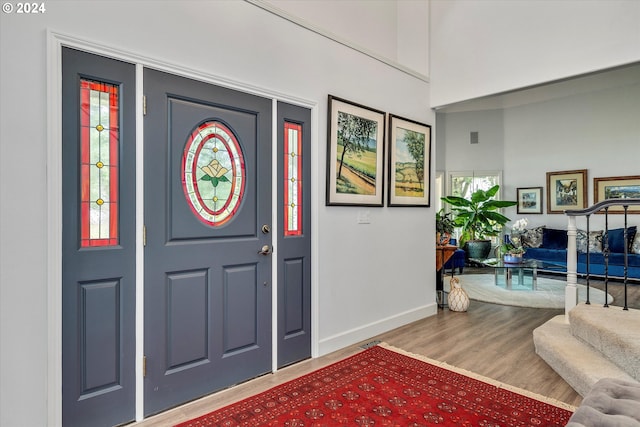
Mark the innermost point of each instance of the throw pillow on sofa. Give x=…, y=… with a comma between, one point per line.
x=594, y=242
x=554, y=239
x=635, y=245
x=532, y=237
x=615, y=238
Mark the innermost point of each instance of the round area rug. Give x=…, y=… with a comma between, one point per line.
x=550, y=292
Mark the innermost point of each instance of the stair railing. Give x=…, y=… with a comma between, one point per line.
x=571, y=290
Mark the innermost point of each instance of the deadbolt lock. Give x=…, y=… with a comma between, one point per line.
x=266, y=229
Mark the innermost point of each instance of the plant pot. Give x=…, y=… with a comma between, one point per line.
x=478, y=249
x=444, y=238
x=512, y=259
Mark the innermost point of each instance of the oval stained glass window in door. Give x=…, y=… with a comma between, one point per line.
x=213, y=173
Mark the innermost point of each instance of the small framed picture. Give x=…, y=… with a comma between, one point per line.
x=530, y=200
x=566, y=190
x=409, y=162
x=355, y=154
x=617, y=187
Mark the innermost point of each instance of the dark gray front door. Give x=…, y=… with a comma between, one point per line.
x=294, y=239
x=98, y=241
x=207, y=174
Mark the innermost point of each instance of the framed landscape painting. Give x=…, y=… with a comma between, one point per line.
x=530, y=200
x=566, y=190
x=409, y=162
x=617, y=187
x=355, y=153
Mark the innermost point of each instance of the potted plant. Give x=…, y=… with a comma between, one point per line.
x=445, y=224
x=479, y=219
x=511, y=249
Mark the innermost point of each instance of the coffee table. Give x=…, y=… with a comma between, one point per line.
x=520, y=276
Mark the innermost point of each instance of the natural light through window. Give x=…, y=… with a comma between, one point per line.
x=99, y=139
x=292, y=179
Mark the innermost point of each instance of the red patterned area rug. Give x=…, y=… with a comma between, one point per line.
x=384, y=386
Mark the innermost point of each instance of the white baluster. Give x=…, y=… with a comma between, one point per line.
x=571, y=290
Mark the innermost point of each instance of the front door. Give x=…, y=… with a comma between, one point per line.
x=207, y=197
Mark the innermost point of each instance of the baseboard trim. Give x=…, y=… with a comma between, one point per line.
x=367, y=331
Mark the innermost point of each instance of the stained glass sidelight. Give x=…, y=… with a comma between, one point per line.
x=99, y=140
x=292, y=179
x=213, y=173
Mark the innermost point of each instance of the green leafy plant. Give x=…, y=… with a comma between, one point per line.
x=512, y=245
x=478, y=217
x=508, y=248
x=445, y=223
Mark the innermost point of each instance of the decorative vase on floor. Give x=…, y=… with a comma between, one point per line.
x=458, y=299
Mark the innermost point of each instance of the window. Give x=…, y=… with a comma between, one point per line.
x=292, y=179
x=213, y=173
x=464, y=183
x=99, y=140
x=439, y=190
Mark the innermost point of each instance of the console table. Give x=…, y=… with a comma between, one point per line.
x=443, y=253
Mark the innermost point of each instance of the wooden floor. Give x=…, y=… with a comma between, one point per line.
x=489, y=339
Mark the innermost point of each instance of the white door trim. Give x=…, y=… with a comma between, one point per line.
x=55, y=42
x=139, y=242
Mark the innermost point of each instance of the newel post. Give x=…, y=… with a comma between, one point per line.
x=571, y=290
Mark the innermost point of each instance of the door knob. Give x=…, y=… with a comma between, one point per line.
x=266, y=250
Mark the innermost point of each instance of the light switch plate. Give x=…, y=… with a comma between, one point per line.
x=364, y=217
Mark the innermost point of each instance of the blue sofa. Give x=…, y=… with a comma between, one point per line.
x=552, y=247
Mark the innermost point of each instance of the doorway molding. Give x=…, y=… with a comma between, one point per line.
x=55, y=41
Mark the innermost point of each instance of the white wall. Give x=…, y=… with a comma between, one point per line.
x=412, y=42
x=396, y=30
x=455, y=146
x=491, y=46
x=597, y=131
x=368, y=278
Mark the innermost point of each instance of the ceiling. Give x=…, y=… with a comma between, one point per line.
x=592, y=82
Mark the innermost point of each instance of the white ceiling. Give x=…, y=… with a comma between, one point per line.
x=593, y=82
